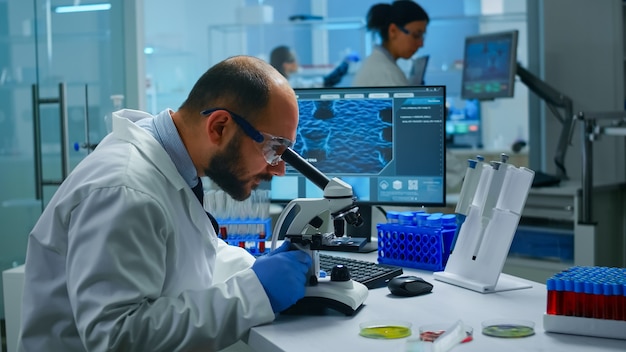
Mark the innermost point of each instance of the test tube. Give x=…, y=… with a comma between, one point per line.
x=559, y=286
x=420, y=219
x=569, y=298
x=598, y=300
x=406, y=218
x=608, y=301
x=589, y=300
x=224, y=233
x=623, y=304
x=551, y=307
x=392, y=217
x=617, y=309
x=262, y=242
x=579, y=289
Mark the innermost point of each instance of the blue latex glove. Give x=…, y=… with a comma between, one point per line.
x=283, y=274
x=335, y=77
x=352, y=57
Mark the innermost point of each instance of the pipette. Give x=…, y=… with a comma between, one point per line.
x=468, y=190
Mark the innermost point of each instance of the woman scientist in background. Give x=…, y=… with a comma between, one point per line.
x=401, y=26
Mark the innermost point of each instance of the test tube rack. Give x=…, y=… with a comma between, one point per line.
x=421, y=243
x=587, y=301
x=252, y=242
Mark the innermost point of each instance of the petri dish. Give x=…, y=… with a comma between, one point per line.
x=430, y=332
x=508, y=328
x=385, y=329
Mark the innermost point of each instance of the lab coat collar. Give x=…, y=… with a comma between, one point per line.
x=124, y=128
x=385, y=52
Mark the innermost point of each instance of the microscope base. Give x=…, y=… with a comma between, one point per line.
x=346, y=297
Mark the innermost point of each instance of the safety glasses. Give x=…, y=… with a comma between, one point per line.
x=272, y=147
x=417, y=36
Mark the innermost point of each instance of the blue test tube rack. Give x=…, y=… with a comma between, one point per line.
x=251, y=241
x=418, y=240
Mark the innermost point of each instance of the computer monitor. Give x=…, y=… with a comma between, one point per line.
x=418, y=71
x=490, y=62
x=388, y=143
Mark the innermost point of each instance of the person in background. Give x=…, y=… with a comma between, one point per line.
x=284, y=61
x=125, y=258
x=401, y=26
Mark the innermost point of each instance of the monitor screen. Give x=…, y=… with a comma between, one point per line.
x=490, y=61
x=387, y=143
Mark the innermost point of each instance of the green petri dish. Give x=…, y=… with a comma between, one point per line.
x=508, y=328
x=385, y=329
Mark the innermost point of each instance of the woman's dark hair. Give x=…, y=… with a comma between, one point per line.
x=400, y=12
x=280, y=55
x=241, y=84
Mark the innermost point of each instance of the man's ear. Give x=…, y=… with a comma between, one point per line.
x=215, y=126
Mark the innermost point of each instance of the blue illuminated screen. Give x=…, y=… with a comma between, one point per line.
x=387, y=143
x=464, y=125
x=489, y=66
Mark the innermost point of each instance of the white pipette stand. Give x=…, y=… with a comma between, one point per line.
x=485, y=237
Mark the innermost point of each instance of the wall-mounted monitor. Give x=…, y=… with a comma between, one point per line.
x=489, y=65
x=388, y=143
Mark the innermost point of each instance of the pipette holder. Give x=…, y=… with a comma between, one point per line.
x=485, y=237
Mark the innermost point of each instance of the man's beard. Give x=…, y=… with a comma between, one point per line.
x=225, y=170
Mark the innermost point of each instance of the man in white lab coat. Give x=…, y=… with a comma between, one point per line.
x=124, y=257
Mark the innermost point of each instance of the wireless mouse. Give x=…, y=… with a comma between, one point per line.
x=409, y=286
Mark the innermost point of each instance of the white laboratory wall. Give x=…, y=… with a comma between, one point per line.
x=178, y=34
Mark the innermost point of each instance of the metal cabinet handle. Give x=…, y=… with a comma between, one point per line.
x=65, y=167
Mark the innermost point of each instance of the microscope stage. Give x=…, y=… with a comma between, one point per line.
x=345, y=244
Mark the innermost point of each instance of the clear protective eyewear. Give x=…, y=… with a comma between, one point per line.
x=273, y=147
x=417, y=35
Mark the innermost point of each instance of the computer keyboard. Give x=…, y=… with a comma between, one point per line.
x=372, y=275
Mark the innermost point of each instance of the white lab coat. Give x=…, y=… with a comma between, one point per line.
x=379, y=70
x=124, y=258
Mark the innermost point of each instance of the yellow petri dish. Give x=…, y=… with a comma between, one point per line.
x=385, y=329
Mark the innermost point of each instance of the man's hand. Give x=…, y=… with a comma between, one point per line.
x=283, y=274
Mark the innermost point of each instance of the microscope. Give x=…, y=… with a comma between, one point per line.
x=300, y=223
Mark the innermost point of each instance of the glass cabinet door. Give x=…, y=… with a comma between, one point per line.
x=59, y=66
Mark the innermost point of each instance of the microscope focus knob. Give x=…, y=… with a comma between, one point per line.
x=340, y=273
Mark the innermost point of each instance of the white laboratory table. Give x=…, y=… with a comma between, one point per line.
x=337, y=332
x=446, y=304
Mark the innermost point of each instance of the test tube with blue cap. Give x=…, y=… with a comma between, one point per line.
x=468, y=190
